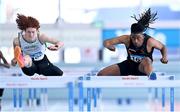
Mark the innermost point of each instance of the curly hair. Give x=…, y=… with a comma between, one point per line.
x=24, y=22
x=143, y=22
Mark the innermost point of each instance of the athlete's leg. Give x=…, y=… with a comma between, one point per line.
x=52, y=70
x=112, y=70
x=30, y=71
x=124, y=68
x=48, y=69
x=146, y=67
x=27, y=61
x=23, y=61
x=18, y=56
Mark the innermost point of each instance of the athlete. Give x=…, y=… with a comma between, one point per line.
x=3, y=64
x=139, y=48
x=30, y=46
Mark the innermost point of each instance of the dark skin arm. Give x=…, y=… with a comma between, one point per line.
x=110, y=43
x=125, y=39
x=158, y=45
x=5, y=63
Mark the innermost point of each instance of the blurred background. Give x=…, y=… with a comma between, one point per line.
x=83, y=25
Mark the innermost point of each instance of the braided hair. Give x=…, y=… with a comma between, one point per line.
x=143, y=21
x=24, y=22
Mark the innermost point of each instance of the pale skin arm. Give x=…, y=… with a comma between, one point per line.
x=109, y=44
x=56, y=44
x=158, y=45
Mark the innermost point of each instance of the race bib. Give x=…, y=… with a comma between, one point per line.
x=136, y=58
x=38, y=56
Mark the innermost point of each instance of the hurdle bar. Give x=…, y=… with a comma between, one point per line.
x=36, y=82
x=130, y=82
x=40, y=82
x=120, y=82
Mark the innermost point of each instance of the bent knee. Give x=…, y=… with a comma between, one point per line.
x=58, y=72
x=147, y=60
x=29, y=74
x=99, y=73
x=61, y=73
x=27, y=61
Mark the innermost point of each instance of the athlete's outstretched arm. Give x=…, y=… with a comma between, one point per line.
x=109, y=43
x=57, y=44
x=5, y=63
x=158, y=45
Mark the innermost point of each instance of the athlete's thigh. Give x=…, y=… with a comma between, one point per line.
x=52, y=70
x=146, y=62
x=112, y=70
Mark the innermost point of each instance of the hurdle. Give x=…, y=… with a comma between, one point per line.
x=32, y=97
x=119, y=82
x=17, y=94
x=22, y=82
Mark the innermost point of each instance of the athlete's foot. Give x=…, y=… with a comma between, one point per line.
x=153, y=76
x=18, y=56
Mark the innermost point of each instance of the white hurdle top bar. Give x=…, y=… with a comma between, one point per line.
x=36, y=82
x=95, y=81
x=129, y=81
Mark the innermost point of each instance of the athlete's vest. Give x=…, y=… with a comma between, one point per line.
x=35, y=50
x=137, y=54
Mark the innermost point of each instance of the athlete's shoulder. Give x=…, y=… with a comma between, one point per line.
x=125, y=39
x=42, y=37
x=124, y=36
x=151, y=39
x=151, y=42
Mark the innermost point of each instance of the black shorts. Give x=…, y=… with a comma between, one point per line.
x=1, y=92
x=129, y=67
x=43, y=67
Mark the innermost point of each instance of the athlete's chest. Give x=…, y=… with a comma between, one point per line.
x=31, y=46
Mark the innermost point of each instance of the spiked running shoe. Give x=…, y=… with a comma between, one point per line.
x=18, y=56
x=153, y=76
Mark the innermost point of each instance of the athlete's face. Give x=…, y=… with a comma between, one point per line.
x=30, y=34
x=137, y=39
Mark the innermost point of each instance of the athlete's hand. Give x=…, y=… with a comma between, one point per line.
x=111, y=48
x=1, y=55
x=53, y=47
x=164, y=60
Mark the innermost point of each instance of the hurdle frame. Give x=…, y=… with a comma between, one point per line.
x=96, y=83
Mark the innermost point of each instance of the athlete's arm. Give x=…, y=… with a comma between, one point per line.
x=110, y=43
x=158, y=45
x=56, y=44
x=5, y=63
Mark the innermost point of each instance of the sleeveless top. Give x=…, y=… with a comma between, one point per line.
x=36, y=49
x=136, y=54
